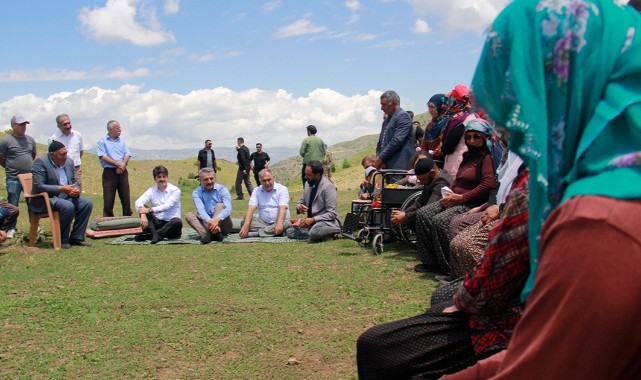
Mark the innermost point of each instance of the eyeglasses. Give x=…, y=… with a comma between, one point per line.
x=476, y=136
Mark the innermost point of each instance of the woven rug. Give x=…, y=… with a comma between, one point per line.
x=190, y=236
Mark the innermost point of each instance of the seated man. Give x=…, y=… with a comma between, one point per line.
x=272, y=201
x=319, y=203
x=433, y=180
x=212, y=219
x=162, y=219
x=54, y=173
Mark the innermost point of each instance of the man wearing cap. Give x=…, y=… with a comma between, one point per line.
x=312, y=149
x=17, y=152
x=53, y=173
x=395, y=145
x=243, y=169
x=433, y=180
x=72, y=140
x=114, y=156
x=271, y=199
x=207, y=157
x=259, y=160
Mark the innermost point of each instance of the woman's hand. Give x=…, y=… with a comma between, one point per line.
x=452, y=199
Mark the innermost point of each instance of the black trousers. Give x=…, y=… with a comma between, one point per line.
x=171, y=229
x=112, y=182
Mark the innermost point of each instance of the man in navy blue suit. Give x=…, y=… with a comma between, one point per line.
x=53, y=173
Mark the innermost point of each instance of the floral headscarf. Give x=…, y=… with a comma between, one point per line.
x=564, y=77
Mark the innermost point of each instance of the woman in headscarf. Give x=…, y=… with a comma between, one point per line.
x=471, y=187
x=459, y=113
x=564, y=77
x=436, y=106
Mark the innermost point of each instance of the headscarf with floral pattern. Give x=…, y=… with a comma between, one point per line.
x=564, y=77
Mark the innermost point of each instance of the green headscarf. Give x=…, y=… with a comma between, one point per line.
x=564, y=77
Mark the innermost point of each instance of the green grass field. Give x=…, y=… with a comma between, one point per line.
x=217, y=311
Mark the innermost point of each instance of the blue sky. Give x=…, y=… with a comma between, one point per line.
x=177, y=72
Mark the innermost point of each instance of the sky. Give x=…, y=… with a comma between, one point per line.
x=177, y=72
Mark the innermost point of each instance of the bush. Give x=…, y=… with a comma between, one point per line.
x=346, y=164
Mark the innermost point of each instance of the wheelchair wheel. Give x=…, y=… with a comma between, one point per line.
x=377, y=244
x=362, y=237
x=404, y=231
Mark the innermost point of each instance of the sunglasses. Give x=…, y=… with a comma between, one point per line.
x=476, y=136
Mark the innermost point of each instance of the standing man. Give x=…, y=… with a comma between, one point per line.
x=207, y=157
x=260, y=161
x=53, y=173
x=212, y=219
x=395, y=145
x=319, y=204
x=114, y=156
x=272, y=201
x=243, y=169
x=162, y=219
x=72, y=140
x=312, y=149
x=17, y=152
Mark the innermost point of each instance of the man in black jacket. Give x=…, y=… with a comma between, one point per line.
x=243, y=169
x=260, y=161
x=207, y=157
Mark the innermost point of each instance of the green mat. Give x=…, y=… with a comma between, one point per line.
x=190, y=236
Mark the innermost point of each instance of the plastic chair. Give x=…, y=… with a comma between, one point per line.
x=26, y=180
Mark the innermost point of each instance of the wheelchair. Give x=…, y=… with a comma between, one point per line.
x=369, y=223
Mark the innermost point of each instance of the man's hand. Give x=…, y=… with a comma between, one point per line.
x=452, y=199
x=398, y=217
x=378, y=163
x=301, y=208
x=213, y=225
x=144, y=222
x=491, y=214
x=70, y=190
x=3, y=236
x=244, y=231
x=278, y=229
x=306, y=222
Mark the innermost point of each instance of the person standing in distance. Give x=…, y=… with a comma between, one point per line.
x=243, y=169
x=114, y=156
x=311, y=149
x=207, y=157
x=259, y=160
x=72, y=140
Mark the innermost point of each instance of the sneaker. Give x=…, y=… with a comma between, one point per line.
x=10, y=233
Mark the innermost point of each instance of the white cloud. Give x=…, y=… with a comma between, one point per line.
x=271, y=5
x=158, y=119
x=171, y=7
x=365, y=37
x=393, y=44
x=352, y=5
x=298, y=28
x=461, y=15
x=421, y=27
x=124, y=20
x=213, y=56
x=39, y=75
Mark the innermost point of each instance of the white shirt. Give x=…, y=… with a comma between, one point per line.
x=73, y=143
x=165, y=204
x=268, y=202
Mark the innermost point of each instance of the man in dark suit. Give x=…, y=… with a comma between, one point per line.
x=54, y=173
x=319, y=204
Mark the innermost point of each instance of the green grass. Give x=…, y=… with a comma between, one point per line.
x=232, y=311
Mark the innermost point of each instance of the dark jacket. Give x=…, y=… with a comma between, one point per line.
x=202, y=158
x=430, y=194
x=45, y=179
x=396, y=141
x=243, y=158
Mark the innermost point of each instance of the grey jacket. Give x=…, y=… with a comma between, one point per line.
x=45, y=179
x=325, y=205
x=396, y=141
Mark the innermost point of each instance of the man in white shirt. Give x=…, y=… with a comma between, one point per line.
x=72, y=140
x=162, y=219
x=272, y=201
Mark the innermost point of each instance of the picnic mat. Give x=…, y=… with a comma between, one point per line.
x=190, y=236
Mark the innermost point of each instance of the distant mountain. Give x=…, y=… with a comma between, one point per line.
x=276, y=154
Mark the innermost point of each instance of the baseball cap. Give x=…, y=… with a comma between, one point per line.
x=18, y=119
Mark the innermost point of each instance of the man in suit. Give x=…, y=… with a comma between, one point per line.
x=395, y=145
x=320, y=205
x=53, y=173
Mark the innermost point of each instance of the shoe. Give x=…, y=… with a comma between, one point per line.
x=142, y=237
x=155, y=238
x=80, y=243
x=443, y=278
x=239, y=199
x=424, y=268
x=206, y=239
x=10, y=233
x=217, y=237
x=65, y=246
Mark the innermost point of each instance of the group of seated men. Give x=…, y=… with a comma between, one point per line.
x=160, y=209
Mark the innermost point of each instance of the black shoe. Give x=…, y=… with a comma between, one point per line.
x=424, y=268
x=217, y=237
x=142, y=237
x=206, y=239
x=155, y=238
x=239, y=199
x=65, y=246
x=80, y=243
